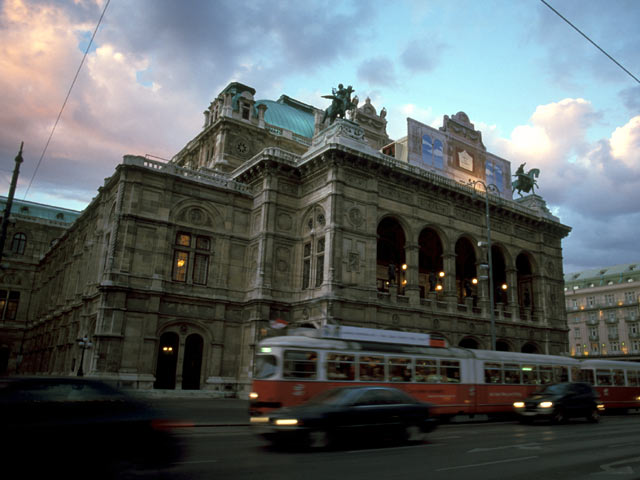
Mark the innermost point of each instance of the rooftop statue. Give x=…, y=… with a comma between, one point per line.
x=525, y=181
x=340, y=104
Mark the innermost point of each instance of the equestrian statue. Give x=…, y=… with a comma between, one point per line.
x=340, y=104
x=525, y=181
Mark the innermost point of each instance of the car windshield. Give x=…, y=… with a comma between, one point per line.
x=554, y=389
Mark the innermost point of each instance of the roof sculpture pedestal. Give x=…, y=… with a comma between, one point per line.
x=538, y=205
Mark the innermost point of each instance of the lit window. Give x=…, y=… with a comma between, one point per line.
x=191, y=254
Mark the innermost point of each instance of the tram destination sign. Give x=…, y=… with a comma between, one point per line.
x=380, y=336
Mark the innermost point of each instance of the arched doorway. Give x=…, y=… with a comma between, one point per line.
x=530, y=348
x=499, y=272
x=192, y=364
x=167, y=361
x=502, y=346
x=466, y=280
x=525, y=285
x=430, y=264
x=390, y=255
x=469, y=342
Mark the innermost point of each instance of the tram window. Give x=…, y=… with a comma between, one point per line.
x=530, y=374
x=546, y=374
x=399, y=369
x=632, y=378
x=587, y=376
x=450, y=370
x=492, y=373
x=511, y=373
x=560, y=374
x=575, y=374
x=603, y=377
x=265, y=366
x=371, y=368
x=427, y=371
x=300, y=364
x=618, y=378
x=340, y=367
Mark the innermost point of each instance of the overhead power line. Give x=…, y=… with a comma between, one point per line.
x=591, y=41
x=67, y=97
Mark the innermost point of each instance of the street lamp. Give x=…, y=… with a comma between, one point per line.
x=83, y=343
x=487, y=189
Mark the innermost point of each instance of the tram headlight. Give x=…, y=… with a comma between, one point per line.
x=600, y=406
x=545, y=404
x=518, y=404
x=253, y=395
x=286, y=422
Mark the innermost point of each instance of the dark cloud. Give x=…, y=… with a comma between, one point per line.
x=631, y=99
x=377, y=71
x=422, y=55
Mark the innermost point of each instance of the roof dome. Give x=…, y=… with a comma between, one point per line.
x=299, y=118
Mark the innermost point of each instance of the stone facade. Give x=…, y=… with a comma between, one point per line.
x=32, y=229
x=603, y=312
x=176, y=270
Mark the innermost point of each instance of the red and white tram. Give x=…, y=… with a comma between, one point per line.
x=289, y=370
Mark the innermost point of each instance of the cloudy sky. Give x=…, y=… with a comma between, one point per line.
x=537, y=90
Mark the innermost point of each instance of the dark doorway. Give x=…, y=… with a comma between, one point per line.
x=192, y=365
x=167, y=361
x=466, y=280
x=430, y=266
x=390, y=255
x=469, y=343
x=530, y=348
x=4, y=359
x=499, y=272
x=502, y=346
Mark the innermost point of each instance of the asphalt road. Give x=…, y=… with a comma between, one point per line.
x=481, y=451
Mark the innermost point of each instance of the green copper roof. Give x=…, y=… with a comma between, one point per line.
x=289, y=114
x=39, y=210
x=602, y=276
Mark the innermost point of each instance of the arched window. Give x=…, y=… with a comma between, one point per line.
x=19, y=243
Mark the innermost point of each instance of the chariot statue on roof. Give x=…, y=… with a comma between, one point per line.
x=341, y=102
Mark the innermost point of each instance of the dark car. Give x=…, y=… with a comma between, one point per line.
x=559, y=402
x=349, y=414
x=80, y=428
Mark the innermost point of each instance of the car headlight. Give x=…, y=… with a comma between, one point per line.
x=545, y=404
x=286, y=421
x=259, y=420
x=253, y=395
x=518, y=404
x=600, y=406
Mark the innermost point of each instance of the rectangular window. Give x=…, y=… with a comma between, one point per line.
x=629, y=297
x=200, y=269
x=576, y=332
x=603, y=377
x=9, y=304
x=587, y=376
x=530, y=374
x=399, y=369
x=492, y=373
x=340, y=367
x=612, y=316
x=632, y=378
x=591, y=301
x=618, y=378
x=615, y=346
x=613, y=331
x=203, y=243
x=512, y=373
x=300, y=364
x=427, y=371
x=180, y=263
x=371, y=369
x=560, y=374
x=609, y=299
x=593, y=317
x=306, y=265
x=450, y=370
x=546, y=373
x=183, y=239
x=320, y=262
